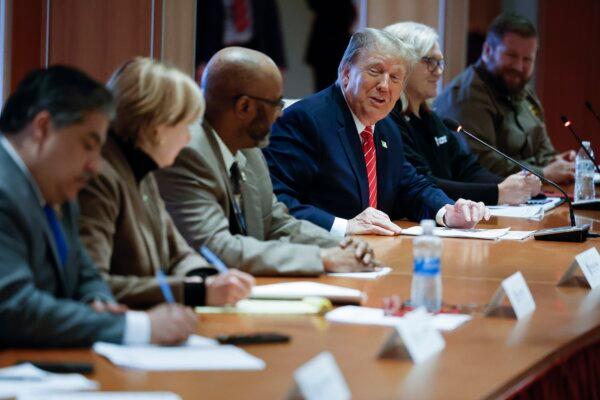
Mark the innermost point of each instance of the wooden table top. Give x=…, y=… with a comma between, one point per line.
x=487, y=357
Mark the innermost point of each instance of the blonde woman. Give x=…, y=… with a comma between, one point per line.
x=432, y=148
x=124, y=223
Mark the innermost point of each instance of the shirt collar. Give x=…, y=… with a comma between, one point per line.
x=228, y=157
x=21, y=164
x=359, y=125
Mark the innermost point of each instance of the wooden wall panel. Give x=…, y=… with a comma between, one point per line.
x=568, y=68
x=99, y=35
x=27, y=38
x=179, y=34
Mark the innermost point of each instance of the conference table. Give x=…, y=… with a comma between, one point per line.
x=554, y=351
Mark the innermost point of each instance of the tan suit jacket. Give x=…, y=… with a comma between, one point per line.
x=129, y=234
x=197, y=191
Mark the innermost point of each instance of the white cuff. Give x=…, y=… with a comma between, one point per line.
x=439, y=217
x=137, y=328
x=339, y=227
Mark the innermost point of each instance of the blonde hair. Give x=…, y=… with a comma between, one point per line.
x=149, y=93
x=421, y=38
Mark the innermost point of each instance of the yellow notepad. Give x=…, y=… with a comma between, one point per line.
x=306, y=306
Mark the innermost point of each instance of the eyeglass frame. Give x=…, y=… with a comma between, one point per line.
x=279, y=103
x=431, y=61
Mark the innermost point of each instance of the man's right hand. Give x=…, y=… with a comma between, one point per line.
x=560, y=170
x=338, y=259
x=228, y=288
x=518, y=188
x=171, y=323
x=372, y=222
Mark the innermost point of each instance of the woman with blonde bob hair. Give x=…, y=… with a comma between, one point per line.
x=124, y=223
x=433, y=149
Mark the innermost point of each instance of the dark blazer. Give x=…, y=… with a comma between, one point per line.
x=435, y=151
x=42, y=302
x=267, y=38
x=317, y=165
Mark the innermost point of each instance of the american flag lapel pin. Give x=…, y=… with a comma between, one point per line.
x=384, y=144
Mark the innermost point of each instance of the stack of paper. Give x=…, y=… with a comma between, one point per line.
x=488, y=234
x=306, y=306
x=302, y=289
x=198, y=354
x=375, y=316
x=26, y=379
x=534, y=212
x=362, y=275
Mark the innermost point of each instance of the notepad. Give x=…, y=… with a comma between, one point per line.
x=362, y=275
x=301, y=289
x=198, y=354
x=27, y=379
x=306, y=306
x=375, y=316
x=487, y=234
x=534, y=212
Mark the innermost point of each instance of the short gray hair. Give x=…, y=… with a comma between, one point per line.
x=370, y=39
x=421, y=38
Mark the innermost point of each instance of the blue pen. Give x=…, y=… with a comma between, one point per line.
x=213, y=259
x=164, y=287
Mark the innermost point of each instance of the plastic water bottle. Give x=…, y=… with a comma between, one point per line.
x=584, y=175
x=426, y=288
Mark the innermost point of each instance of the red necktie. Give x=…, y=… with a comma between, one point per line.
x=368, y=147
x=239, y=10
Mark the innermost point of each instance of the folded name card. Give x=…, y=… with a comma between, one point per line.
x=320, y=378
x=589, y=263
x=515, y=288
x=415, y=338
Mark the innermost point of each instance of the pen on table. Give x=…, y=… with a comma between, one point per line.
x=164, y=287
x=213, y=259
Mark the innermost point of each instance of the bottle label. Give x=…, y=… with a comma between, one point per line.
x=427, y=266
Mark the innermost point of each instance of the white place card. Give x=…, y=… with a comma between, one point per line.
x=589, y=263
x=320, y=378
x=415, y=338
x=518, y=293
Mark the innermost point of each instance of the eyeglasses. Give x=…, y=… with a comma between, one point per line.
x=434, y=63
x=279, y=103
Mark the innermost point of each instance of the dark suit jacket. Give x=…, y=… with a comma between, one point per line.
x=318, y=170
x=42, y=302
x=435, y=151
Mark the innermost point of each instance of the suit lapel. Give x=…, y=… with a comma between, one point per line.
x=346, y=130
x=251, y=200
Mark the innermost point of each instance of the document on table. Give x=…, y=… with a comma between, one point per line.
x=535, y=212
x=375, y=316
x=517, y=235
x=104, y=396
x=596, y=178
x=198, y=354
x=302, y=289
x=26, y=379
x=488, y=234
x=362, y=275
x=306, y=306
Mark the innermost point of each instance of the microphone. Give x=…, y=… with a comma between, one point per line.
x=571, y=233
x=568, y=124
x=588, y=105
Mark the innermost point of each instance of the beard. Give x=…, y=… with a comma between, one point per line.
x=259, y=129
x=513, y=81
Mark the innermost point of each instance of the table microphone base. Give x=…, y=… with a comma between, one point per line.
x=593, y=204
x=563, y=234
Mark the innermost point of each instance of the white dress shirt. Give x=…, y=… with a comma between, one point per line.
x=137, y=324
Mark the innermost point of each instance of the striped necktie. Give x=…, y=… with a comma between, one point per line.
x=368, y=148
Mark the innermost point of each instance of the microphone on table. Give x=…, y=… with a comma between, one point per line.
x=569, y=125
x=571, y=233
x=588, y=105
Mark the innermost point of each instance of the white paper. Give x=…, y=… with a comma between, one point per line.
x=589, y=262
x=198, y=354
x=488, y=234
x=105, y=396
x=421, y=339
x=596, y=178
x=535, y=212
x=320, y=378
x=362, y=275
x=518, y=294
x=517, y=235
x=375, y=316
x=28, y=379
x=301, y=289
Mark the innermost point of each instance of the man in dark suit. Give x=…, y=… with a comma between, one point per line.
x=336, y=159
x=51, y=294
